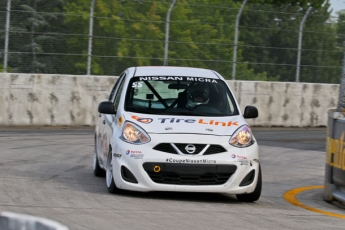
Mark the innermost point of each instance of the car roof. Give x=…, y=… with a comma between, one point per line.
x=174, y=71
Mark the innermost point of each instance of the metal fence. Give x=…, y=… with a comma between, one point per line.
x=260, y=42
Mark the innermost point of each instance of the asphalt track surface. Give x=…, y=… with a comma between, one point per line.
x=48, y=173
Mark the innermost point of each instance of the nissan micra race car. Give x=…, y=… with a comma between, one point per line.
x=176, y=129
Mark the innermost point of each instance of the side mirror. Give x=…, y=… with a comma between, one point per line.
x=106, y=107
x=250, y=112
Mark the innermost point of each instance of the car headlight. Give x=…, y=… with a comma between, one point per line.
x=242, y=137
x=133, y=134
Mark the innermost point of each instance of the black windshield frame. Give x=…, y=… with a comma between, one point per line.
x=168, y=105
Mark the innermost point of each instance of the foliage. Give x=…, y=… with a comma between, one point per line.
x=51, y=36
x=30, y=35
x=271, y=43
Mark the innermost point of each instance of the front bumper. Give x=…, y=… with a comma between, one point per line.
x=161, y=171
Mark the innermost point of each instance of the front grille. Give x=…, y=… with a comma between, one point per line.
x=165, y=147
x=189, y=174
x=213, y=149
x=168, y=148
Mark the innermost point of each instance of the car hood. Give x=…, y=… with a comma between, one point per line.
x=168, y=124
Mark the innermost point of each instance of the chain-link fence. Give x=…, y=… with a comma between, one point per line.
x=53, y=37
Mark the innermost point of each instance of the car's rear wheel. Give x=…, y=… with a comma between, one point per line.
x=255, y=195
x=97, y=170
x=109, y=175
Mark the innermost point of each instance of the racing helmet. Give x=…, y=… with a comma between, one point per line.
x=197, y=94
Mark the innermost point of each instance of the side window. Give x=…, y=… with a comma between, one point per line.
x=112, y=94
x=118, y=93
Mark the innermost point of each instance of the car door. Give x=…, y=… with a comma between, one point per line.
x=105, y=120
x=110, y=118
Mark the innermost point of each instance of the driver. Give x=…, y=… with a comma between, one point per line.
x=197, y=94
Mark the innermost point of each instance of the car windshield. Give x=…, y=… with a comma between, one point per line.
x=172, y=95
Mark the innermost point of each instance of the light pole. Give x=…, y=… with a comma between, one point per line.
x=89, y=52
x=7, y=31
x=236, y=40
x=300, y=43
x=166, y=48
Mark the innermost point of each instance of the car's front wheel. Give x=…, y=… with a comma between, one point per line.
x=255, y=195
x=109, y=175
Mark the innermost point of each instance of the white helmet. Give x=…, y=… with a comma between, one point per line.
x=197, y=94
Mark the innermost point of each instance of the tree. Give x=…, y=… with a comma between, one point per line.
x=31, y=35
x=270, y=34
x=321, y=58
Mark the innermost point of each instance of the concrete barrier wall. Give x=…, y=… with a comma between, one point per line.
x=287, y=104
x=37, y=99
x=15, y=221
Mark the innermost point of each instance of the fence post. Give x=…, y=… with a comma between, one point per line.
x=7, y=31
x=236, y=40
x=89, y=52
x=167, y=26
x=300, y=43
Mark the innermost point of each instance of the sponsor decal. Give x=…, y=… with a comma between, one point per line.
x=189, y=161
x=117, y=155
x=243, y=162
x=190, y=121
x=136, y=154
x=137, y=84
x=241, y=157
x=174, y=78
x=336, y=152
x=133, y=152
x=200, y=121
x=142, y=120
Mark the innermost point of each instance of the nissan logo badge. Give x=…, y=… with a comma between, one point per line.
x=190, y=149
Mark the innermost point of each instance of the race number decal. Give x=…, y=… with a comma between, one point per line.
x=137, y=84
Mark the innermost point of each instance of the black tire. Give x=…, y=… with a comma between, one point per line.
x=97, y=170
x=255, y=195
x=109, y=175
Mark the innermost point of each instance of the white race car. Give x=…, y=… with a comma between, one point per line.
x=176, y=129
